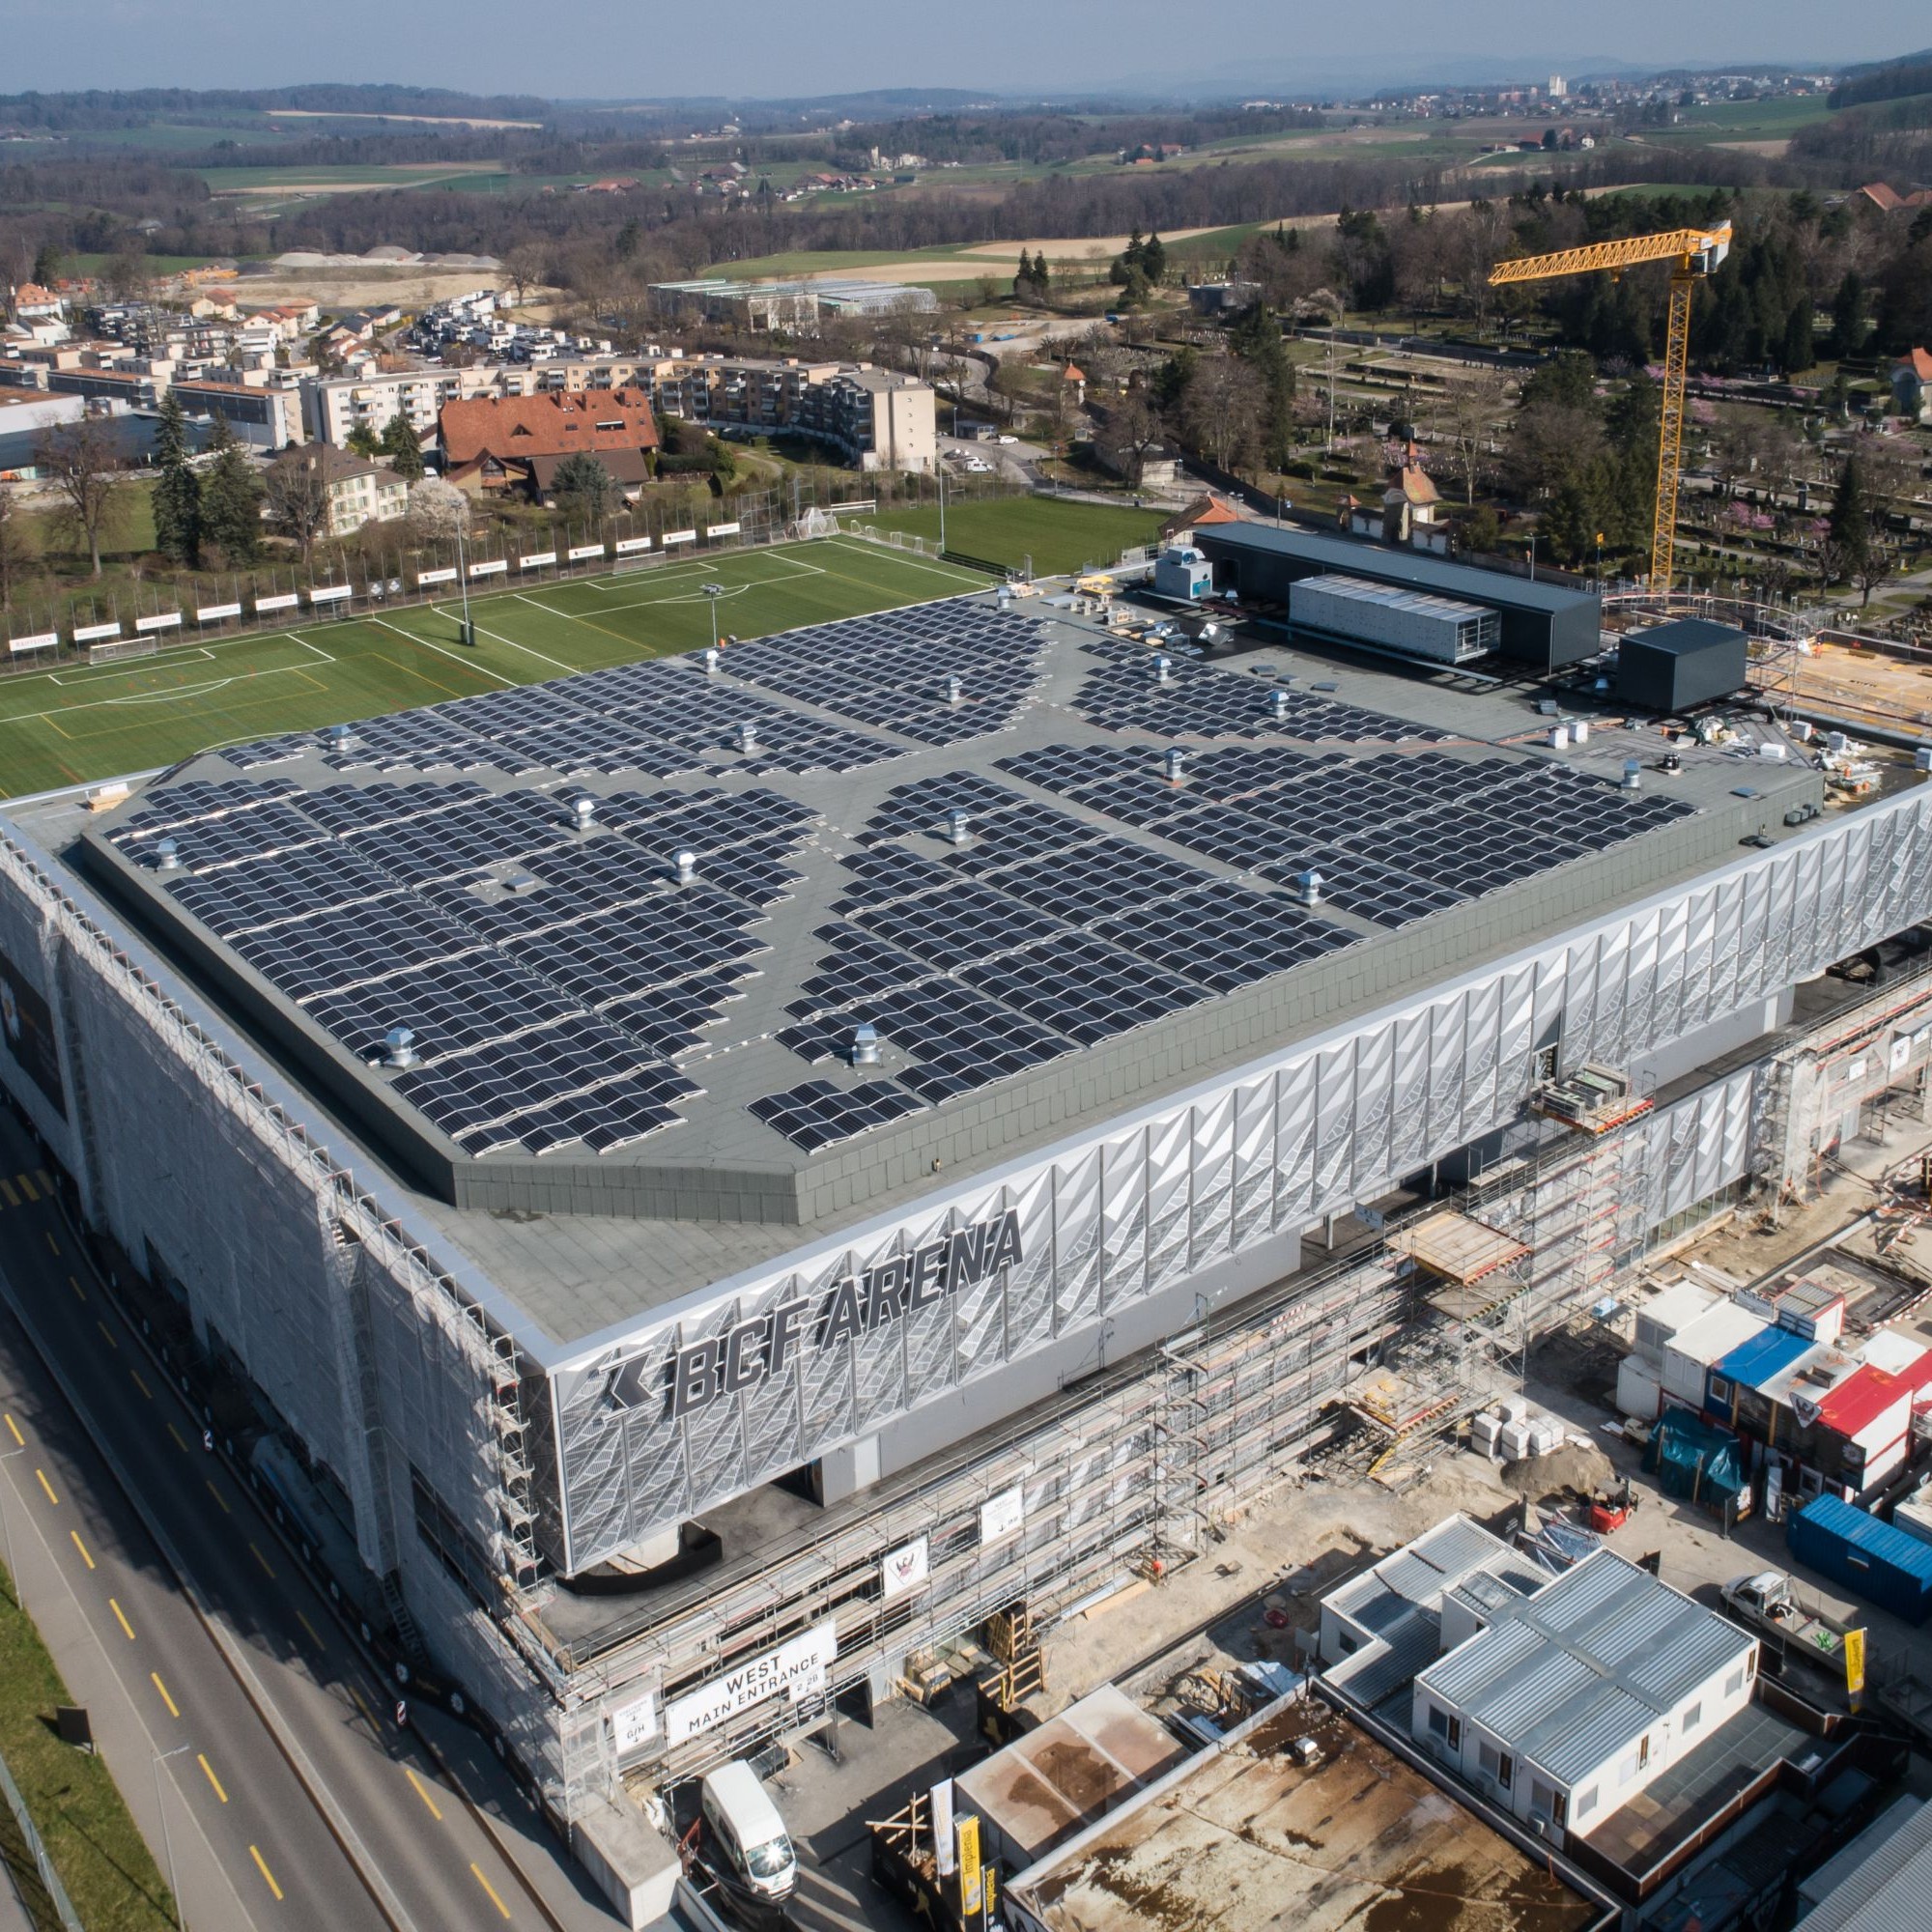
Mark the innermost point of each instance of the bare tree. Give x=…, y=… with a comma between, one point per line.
x=1222, y=408
x=297, y=495
x=15, y=551
x=82, y=461
x=527, y=268
x=1463, y=419
x=1133, y=428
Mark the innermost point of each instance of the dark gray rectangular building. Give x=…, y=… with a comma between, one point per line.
x=1680, y=665
x=1542, y=624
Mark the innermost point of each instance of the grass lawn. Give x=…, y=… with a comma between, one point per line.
x=102, y=1860
x=1059, y=536
x=78, y=723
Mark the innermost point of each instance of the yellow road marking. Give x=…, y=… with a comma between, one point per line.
x=261, y=1867
x=82, y=1548
x=48, y=1486
x=489, y=1887
x=368, y=1716
x=121, y=1617
x=139, y=1383
x=26, y=1188
x=422, y=1792
x=177, y=1435
x=107, y=1336
x=260, y=1559
x=15, y=1428
x=310, y=1628
x=201, y=1760
x=52, y=1244
x=73, y=1282
x=218, y=1497
x=40, y=1175
x=12, y=1200
x=156, y=1677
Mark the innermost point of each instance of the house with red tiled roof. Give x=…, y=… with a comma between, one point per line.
x=1889, y=201
x=1203, y=512
x=33, y=304
x=492, y=443
x=1912, y=384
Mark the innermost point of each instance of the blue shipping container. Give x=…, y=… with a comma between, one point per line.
x=1881, y=1564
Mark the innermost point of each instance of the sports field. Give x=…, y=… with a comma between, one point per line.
x=82, y=723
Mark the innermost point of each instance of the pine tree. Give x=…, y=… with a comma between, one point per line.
x=231, y=498
x=402, y=446
x=177, y=497
x=1798, y=351
x=1849, y=525
x=1154, y=260
x=1256, y=338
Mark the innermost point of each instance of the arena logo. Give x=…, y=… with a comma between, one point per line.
x=895, y=1290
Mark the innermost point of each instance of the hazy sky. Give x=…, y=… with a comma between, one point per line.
x=635, y=49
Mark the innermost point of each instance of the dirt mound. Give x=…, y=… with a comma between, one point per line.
x=1578, y=1465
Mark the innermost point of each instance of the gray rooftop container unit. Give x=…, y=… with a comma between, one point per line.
x=1401, y=623
x=1677, y=665
x=1542, y=624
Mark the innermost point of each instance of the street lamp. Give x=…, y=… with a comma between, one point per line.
x=167, y=1836
x=712, y=593
x=940, y=469
x=463, y=583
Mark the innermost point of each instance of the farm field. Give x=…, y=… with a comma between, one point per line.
x=78, y=723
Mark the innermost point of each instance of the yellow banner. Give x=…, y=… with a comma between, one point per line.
x=966, y=1837
x=1855, y=1660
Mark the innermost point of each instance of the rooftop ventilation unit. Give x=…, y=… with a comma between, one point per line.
x=748, y=736
x=399, y=1046
x=1580, y=730
x=865, y=1044
x=1632, y=773
x=167, y=856
x=585, y=811
x=1560, y=738
x=958, y=825
x=1163, y=668
x=1277, y=704
x=956, y=692
x=711, y=661
x=339, y=737
x=687, y=866
x=1309, y=888
x=1176, y=764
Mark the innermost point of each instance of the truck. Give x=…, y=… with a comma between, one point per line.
x=1764, y=1604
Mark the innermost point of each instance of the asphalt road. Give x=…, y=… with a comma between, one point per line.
x=292, y=1797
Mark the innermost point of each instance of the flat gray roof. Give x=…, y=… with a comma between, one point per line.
x=1073, y=822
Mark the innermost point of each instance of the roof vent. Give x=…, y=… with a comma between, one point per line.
x=399, y=1046
x=339, y=737
x=1309, y=885
x=1632, y=773
x=956, y=692
x=687, y=866
x=748, y=736
x=1176, y=764
x=865, y=1044
x=1278, y=704
x=1580, y=730
x=958, y=825
x=1560, y=738
x=711, y=661
x=1163, y=668
x=585, y=810
x=167, y=856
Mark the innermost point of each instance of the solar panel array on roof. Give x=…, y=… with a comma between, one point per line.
x=548, y=973
x=1395, y=836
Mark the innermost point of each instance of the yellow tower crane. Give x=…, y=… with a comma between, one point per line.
x=1694, y=253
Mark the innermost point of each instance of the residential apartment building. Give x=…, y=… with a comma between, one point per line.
x=360, y=492
x=871, y=418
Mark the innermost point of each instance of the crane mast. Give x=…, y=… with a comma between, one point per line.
x=1693, y=253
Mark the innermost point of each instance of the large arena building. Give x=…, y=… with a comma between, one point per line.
x=730, y=1171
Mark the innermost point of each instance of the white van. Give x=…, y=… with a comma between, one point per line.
x=745, y=1827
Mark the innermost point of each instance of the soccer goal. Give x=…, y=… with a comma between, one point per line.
x=818, y=523
x=623, y=566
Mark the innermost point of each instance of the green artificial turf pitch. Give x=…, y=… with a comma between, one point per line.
x=80, y=723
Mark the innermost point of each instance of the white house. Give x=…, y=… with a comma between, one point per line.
x=1571, y=1700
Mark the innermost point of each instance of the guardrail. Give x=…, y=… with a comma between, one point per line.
x=69, y=1918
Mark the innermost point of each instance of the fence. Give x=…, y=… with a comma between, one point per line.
x=43, y=1863
x=253, y=603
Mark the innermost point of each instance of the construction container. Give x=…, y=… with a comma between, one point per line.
x=1689, y=1353
x=1883, y=1564
x=1913, y=1516
x=1385, y=617
x=1677, y=665
x=1639, y=1393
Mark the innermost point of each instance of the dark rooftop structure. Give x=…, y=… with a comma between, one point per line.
x=1544, y=625
x=1677, y=665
